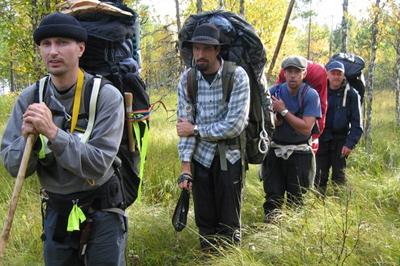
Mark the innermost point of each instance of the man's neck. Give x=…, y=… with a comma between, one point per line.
x=65, y=81
x=293, y=91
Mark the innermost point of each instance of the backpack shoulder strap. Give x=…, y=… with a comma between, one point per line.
x=89, y=88
x=228, y=73
x=304, y=89
x=191, y=85
x=346, y=90
x=228, y=77
x=40, y=91
x=278, y=89
x=91, y=95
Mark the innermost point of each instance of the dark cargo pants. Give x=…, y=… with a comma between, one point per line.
x=329, y=155
x=106, y=242
x=217, y=202
x=282, y=176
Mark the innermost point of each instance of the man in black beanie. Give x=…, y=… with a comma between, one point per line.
x=83, y=219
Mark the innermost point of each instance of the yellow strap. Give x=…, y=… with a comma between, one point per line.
x=77, y=100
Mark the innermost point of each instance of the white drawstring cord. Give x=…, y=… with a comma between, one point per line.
x=263, y=144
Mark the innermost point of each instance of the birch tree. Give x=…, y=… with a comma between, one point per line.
x=221, y=4
x=376, y=11
x=199, y=5
x=178, y=16
x=241, y=8
x=309, y=32
x=345, y=26
x=398, y=80
x=179, y=27
x=392, y=28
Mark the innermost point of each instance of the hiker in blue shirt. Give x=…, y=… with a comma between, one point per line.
x=75, y=174
x=205, y=128
x=288, y=165
x=343, y=128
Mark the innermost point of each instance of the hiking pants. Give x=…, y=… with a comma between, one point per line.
x=329, y=156
x=106, y=244
x=217, y=201
x=280, y=176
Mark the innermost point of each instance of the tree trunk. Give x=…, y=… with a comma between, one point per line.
x=199, y=6
x=221, y=4
x=309, y=34
x=35, y=18
x=281, y=36
x=241, y=9
x=47, y=4
x=345, y=25
x=331, y=38
x=370, y=77
x=178, y=15
x=398, y=83
x=12, y=81
x=178, y=23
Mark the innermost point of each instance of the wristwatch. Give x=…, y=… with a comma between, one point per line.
x=284, y=112
x=196, y=130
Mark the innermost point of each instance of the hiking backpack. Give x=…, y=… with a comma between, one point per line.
x=245, y=50
x=353, y=66
x=112, y=51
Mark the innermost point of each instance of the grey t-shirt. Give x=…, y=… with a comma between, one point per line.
x=72, y=166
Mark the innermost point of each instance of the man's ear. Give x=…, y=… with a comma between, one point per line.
x=82, y=47
x=304, y=74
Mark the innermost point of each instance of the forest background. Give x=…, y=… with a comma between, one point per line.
x=362, y=226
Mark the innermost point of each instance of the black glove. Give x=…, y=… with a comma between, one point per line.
x=179, y=218
x=185, y=176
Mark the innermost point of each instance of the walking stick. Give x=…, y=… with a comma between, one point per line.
x=128, y=109
x=15, y=195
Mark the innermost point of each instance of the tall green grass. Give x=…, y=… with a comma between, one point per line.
x=359, y=226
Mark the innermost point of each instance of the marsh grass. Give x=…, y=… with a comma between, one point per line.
x=359, y=225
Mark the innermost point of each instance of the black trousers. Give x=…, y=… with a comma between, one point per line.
x=280, y=176
x=329, y=155
x=217, y=202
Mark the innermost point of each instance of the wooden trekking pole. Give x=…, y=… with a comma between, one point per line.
x=15, y=195
x=128, y=109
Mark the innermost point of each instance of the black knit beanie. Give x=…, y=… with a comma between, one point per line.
x=59, y=25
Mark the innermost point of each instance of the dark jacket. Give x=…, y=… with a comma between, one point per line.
x=344, y=116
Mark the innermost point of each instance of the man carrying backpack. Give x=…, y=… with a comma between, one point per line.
x=82, y=220
x=343, y=128
x=209, y=128
x=289, y=161
x=316, y=78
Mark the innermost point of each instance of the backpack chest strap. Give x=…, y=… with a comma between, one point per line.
x=90, y=108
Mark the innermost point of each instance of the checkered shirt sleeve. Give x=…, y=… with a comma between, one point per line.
x=216, y=119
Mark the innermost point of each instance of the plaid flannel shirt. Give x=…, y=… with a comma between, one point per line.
x=216, y=120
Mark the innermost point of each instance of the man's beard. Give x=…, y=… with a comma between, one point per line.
x=202, y=66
